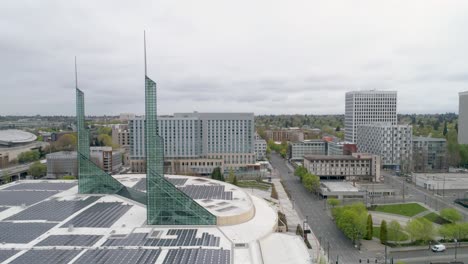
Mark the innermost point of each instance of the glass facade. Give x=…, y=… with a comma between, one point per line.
x=91, y=178
x=166, y=205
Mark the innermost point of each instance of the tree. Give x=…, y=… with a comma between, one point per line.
x=66, y=142
x=333, y=202
x=29, y=156
x=451, y=214
x=338, y=129
x=105, y=130
x=449, y=231
x=37, y=169
x=383, y=232
x=370, y=228
x=445, y=129
x=6, y=176
x=420, y=229
x=300, y=171
x=351, y=220
x=311, y=182
x=105, y=140
x=232, y=178
x=217, y=175
x=394, y=231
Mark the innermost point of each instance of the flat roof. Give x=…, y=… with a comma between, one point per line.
x=335, y=157
x=339, y=186
x=428, y=139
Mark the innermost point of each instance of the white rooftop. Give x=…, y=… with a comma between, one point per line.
x=335, y=186
x=16, y=136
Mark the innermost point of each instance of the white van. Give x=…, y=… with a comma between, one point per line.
x=438, y=248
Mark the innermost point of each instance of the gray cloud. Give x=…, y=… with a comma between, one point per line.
x=298, y=58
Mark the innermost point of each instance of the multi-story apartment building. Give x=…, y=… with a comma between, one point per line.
x=393, y=143
x=121, y=136
x=429, y=154
x=297, y=150
x=463, y=118
x=260, y=147
x=292, y=135
x=206, y=139
x=367, y=107
x=355, y=167
x=64, y=163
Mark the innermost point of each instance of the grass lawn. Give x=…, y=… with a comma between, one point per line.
x=254, y=184
x=400, y=236
x=408, y=209
x=435, y=218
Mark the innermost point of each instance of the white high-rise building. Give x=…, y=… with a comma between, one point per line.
x=463, y=118
x=225, y=137
x=393, y=143
x=367, y=107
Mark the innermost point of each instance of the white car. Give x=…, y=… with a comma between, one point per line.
x=438, y=248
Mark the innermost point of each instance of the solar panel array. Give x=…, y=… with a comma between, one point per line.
x=43, y=186
x=185, y=237
x=22, y=232
x=6, y=254
x=141, y=184
x=70, y=240
x=99, y=215
x=197, y=256
x=49, y=256
x=17, y=198
x=121, y=256
x=53, y=210
x=207, y=192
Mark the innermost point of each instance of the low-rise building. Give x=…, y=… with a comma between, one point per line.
x=291, y=135
x=440, y=182
x=393, y=143
x=64, y=163
x=297, y=150
x=340, y=190
x=355, y=167
x=429, y=154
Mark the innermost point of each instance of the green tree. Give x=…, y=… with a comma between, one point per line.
x=37, y=169
x=105, y=130
x=6, y=177
x=311, y=182
x=300, y=171
x=232, y=178
x=351, y=220
x=394, y=231
x=445, y=129
x=66, y=142
x=105, y=140
x=420, y=229
x=333, y=202
x=383, y=232
x=68, y=177
x=338, y=129
x=29, y=156
x=451, y=214
x=217, y=175
x=370, y=228
x=449, y=231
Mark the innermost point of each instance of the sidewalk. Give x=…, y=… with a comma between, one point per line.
x=294, y=219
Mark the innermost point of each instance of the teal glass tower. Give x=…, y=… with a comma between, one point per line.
x=91, y=178
x=166, y=205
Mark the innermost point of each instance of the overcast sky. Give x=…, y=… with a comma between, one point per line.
x=261, y=56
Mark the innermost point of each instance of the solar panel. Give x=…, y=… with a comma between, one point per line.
x=70, y=240
x=184, y=237
x=197, y=256
x=141, y=184
x=49, y=256
x=42, y=186
x=99, y=215
x=53, y=210
x=22, y=232
x=206, y=192
x=17, y=198
x=121, y=256
x=6, y=254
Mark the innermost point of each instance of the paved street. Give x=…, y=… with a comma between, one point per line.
x=322, y=225
x=426, y=256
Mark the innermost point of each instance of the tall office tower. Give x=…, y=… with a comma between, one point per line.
x=463, y=118
x=166, y=205
x=367, y=107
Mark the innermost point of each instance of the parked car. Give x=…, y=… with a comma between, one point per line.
x=438, y=248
